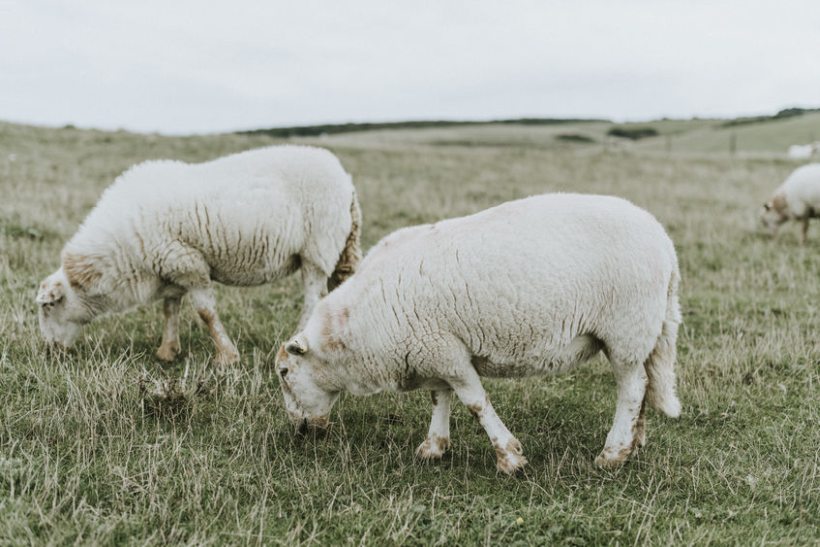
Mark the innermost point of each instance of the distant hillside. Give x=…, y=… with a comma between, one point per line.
x=330, y=129
x=782, y=115
x=762, y=135
x=765, y=135
x=769, y=133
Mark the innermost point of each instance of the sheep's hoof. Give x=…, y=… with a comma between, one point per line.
x=225, y=358
x=168, y=352
x=433, y=448
x=612, y=458
x=510, y=458
x=640, y=439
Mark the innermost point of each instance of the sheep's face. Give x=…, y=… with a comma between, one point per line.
x=61, y=311
x=307, y=403
x=771, y=217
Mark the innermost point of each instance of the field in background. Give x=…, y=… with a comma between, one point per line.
x=762, y=136
x=106, y=444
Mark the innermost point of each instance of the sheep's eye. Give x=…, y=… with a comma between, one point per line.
x=283, y=372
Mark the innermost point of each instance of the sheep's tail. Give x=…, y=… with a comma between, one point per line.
x=352, y=252
x=660, y=366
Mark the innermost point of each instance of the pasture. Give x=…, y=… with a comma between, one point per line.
x=107, y=445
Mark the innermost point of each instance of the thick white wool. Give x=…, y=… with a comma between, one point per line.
x=164, y=228
x=529, y=287
x=802, y=191
x=514, y=286
x=798, y=198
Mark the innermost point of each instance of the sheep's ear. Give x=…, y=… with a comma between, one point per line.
x=50, y=293
x=297, y=345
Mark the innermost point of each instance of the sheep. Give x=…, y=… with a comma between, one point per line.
x=534, y=286
x=801, y=151
x=165, y=229
x=798, y=198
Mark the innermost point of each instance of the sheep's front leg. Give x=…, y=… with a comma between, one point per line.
x=205, y=305
x=169, y=348
x=509, y=453
x=804, y=231
x=628, y=426
x=639, y=438
x=438, y=436
x=315, y=283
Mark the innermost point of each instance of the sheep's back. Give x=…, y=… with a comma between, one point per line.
x=802, y=188
x=523, y=279
x=250, y=214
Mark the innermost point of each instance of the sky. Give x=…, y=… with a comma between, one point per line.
x=182, y=66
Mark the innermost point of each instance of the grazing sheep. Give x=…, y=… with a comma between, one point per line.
x=164, y=229
x=798, y=198
x=533, y=286
x=801, y=151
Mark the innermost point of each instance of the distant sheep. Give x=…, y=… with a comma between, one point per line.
x=802, y=151
x=798, y=198
x=534, y=286
x=164, y=229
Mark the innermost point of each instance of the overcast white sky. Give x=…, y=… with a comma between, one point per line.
x=180, y=66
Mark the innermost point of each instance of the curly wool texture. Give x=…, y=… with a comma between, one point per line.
x=800, y=193
x=245, y=219
x=533, y=286
x=164, y=229
x=798, y=198
x=529, y=287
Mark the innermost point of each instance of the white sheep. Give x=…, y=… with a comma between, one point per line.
x=798, y=198
x=164, y=229
x=530, y=287
x=801, y=151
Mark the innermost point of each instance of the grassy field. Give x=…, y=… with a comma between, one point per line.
x=106, y=445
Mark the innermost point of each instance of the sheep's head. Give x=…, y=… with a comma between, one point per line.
x=62, y=313
x=774, y=213
x=307, y=400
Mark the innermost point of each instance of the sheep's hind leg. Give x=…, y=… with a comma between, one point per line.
x=628, y=430
x=804, y=231
x=509, y=453
x=438, y=436
x=205, y=305
x=169, y=348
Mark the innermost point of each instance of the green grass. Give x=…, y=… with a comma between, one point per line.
x=770, y=137
x=766, y=139
x=106, y=445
